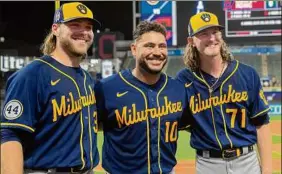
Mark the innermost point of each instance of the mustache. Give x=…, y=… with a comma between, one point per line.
x=81, y=36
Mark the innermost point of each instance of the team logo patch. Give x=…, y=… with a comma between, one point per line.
x=82, y=9
x=206, y=17
x=13, y=109
x=261, y=94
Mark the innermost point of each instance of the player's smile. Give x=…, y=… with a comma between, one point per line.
x=151, y=52
x=155, y=61
x=212, y=45
x=208, y=42
x=81, y=32
x=81, y=39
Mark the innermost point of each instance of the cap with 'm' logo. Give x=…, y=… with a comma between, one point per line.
x=201, y=21
x=72, y=11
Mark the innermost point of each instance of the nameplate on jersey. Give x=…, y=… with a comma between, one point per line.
x=68, y=105
x=197, y=104
x=130, y=116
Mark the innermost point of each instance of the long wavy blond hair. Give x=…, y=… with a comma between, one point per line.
x=49, y=44
x=192, y=60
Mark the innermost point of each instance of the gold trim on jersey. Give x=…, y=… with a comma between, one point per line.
x=130, y=116
x=243, y=96
x=260, y=113
x=213, y=122
x=147, y=119
x=89, y=118
x=18, y=125
x=231, y=96
x=261, y=95
x=159, y=125
x=81, y=119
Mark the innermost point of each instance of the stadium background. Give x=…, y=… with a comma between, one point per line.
x=110, y=52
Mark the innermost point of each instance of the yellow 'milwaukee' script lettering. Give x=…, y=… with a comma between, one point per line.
x=198, y=105
x=70, y=106
x=129, y=116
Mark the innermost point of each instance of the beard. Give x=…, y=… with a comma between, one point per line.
x=70, y=48
x=144, y=65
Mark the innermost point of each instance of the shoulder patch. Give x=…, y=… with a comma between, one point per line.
x=261, y=95
x=13, y=110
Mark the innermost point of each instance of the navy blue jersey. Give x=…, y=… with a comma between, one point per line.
x=228, y=116
x=140, y=123
x=56, y=104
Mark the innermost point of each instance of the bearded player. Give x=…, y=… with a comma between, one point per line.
x=48, y=123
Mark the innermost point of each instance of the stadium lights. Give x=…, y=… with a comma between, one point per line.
x=2, y=39
x=200, y=7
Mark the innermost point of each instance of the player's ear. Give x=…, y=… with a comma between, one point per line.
x=190, y=41
x=55, y=29
x=133, y=48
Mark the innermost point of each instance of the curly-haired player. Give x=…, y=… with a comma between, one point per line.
x=227, y=102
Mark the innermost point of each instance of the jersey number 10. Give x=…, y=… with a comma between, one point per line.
x=170, y=131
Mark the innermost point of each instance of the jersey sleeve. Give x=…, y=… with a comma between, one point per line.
x=259, y=105
x=21, y=102
x=99, y=94
x=180, y=76
x=187, y=117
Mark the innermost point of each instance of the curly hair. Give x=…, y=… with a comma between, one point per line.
x=148, y=26
x=192, y=60
x=49, y=44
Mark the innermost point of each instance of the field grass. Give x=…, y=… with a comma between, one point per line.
x=184, y=151
x=275, y=117
x=276, y=139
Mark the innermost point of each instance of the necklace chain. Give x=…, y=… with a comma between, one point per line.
x=211, y=87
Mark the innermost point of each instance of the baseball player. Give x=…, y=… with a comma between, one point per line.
x=141, y=109
x=49, y=120
x=227, y=102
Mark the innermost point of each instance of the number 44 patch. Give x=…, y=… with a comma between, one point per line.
x=13, y=109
